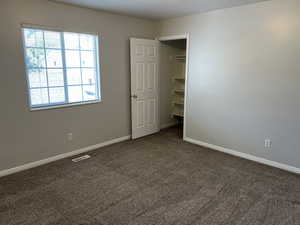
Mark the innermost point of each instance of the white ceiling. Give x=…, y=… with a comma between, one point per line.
x=158, y=9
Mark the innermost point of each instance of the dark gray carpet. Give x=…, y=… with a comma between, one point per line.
x=157, y=180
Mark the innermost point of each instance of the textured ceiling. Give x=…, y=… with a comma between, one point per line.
x=158, y=9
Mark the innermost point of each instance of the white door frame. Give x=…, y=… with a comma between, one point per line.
x=178, y=37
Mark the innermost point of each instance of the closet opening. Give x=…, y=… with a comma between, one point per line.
x=173, y=74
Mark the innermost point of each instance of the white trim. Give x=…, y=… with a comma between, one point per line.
x=167, y=125
x=61, y=156
x=245, y=156
x=186, y=83
x=32, y=109
x=55, y=28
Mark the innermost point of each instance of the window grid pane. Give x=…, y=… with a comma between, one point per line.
x=52, y=40
x=75, y=93
x=37, y=78
x=57, y=94
x=71, y=41
x=54, y=58
x=35, y=57
x=87, y=42
x=61, y=67
x=33, y=38
x=55, y=77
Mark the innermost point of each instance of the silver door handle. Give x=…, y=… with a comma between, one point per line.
x=134, y=96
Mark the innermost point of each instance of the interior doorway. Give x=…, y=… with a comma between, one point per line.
x=159, y=84
x=174, y=69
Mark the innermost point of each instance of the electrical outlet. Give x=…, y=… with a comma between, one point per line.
x=268, y=143
x=70, y=136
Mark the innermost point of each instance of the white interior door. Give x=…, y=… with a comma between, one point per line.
x=144, y=87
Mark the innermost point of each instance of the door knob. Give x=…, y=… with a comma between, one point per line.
x=134, y=96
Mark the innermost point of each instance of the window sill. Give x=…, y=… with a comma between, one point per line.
x=64, y=106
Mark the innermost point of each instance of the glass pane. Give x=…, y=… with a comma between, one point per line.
x=33, y=38
x=72, y=58
x=35, y=57
x=87, y=42
x=37, y=78
x=87, y=59
x=75, y=93
x=52, y=39
x=74, y=76
x=57, y=95
x=39, y=96
x=54, y=58
x=55, y=77
x=71, y=40
x=88, y=76
x=89, y=92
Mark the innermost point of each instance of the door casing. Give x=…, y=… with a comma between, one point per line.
x=170, y=38
x=179, y=37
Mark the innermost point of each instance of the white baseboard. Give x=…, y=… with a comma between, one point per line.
x=61, y=156
x=245, y=156
x=167, y=125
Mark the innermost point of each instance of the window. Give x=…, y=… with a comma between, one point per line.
x=62, y=68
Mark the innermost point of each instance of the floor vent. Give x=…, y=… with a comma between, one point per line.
x=81, y=158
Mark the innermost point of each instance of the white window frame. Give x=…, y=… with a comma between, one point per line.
x=97, y=67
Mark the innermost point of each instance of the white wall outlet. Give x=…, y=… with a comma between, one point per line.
x=268, y=143
x=70, y=136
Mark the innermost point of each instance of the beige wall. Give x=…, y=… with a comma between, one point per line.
x=244, y=80
x=30, y=136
